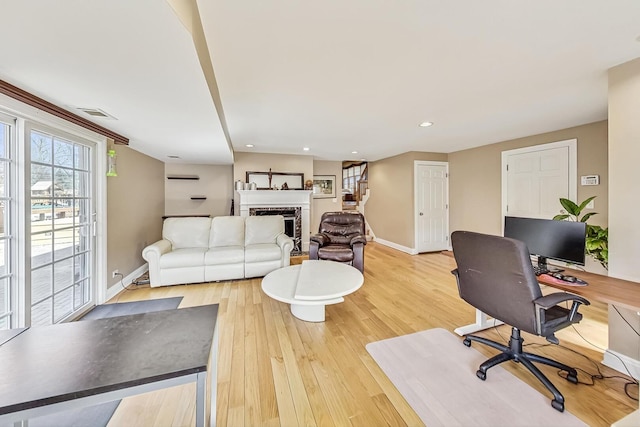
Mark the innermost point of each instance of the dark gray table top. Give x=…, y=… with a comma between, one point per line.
x=51, y=364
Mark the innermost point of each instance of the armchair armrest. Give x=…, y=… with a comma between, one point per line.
x=358, y=239
x=321, y=239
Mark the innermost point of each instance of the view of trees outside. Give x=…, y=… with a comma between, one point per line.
x=60, y=227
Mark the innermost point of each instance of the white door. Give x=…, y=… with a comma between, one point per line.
x=535, y=178
x=432, y=206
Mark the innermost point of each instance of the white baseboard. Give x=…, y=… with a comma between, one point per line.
x=615, y=361
x=127, y=280
x=410, y=251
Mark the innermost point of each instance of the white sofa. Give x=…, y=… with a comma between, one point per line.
x=195, y=250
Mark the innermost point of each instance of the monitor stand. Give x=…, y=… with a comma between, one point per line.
x=544, y=268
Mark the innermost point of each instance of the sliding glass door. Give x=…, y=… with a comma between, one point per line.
x=62, y=247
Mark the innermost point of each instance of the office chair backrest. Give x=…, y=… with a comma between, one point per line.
x=495, y=275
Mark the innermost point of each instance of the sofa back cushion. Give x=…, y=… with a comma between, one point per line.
x=263, y=229
x=227, y=231
x=189, y=232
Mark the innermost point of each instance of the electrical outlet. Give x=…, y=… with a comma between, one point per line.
x=115, y=273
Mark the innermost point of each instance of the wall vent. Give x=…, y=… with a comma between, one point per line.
x=96, y=112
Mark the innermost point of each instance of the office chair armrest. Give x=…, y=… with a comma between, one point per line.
x=551, y=300
x=548, y=301
x=321, y=239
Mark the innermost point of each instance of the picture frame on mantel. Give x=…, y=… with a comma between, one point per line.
x=324, y=186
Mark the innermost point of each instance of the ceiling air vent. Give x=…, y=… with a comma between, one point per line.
x=96, y=112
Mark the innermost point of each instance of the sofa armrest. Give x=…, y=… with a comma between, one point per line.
x=321, y=239
x=285, y=242
x=152, y=254
x=286, y=245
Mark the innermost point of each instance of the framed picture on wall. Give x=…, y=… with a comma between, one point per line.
x=324, y=186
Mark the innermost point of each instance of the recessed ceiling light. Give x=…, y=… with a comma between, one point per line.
x=425, y=124
x=249, y=145
x=173, y=156
x=305, y=149
x=354, y=152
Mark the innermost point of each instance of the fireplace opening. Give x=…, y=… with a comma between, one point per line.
x=292, y=223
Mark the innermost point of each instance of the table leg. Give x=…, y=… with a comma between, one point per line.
x=482, y=322
x=201, y=392
x=308, y=313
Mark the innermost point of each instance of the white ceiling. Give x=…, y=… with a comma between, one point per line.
x=334, y=76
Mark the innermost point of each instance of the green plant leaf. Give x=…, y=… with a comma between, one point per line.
x=585, y=203
x=587, y=216
x=570, y=207
x=560, y=217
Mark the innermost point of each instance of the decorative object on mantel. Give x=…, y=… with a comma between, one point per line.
x=324, y=186
x=308, y=185
x=284, y=186
x=269, y=180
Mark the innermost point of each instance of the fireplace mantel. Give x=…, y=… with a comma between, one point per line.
x=279, y=198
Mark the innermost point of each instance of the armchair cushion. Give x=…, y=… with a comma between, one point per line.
x=338, y=253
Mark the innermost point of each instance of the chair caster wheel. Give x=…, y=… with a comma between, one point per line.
x=467, y=342
x=573, y=379
x=558, y=406
x=481, y=375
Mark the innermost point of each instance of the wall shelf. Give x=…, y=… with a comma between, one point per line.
x=187, y=177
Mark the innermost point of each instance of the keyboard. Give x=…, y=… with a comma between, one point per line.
x=539, y=270
x=542, y=270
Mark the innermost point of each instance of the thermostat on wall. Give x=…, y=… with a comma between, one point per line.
x=590, y=179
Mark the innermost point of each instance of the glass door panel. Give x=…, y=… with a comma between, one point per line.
x=61, y=238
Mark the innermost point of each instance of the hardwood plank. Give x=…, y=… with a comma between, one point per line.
x=274, y=369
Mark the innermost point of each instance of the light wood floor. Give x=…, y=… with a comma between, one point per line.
x=275, y=370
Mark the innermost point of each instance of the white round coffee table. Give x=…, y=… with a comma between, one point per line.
x=312, y=285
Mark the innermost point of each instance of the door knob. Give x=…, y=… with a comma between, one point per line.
x=421, y=214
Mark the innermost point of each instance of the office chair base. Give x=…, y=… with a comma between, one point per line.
x=514, y=352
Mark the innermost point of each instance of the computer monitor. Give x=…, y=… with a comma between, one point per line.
x=549, y=239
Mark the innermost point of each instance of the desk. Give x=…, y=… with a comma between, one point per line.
x=621, y=293
x=70, y=365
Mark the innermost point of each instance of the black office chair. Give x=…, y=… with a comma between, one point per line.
x=495, y=275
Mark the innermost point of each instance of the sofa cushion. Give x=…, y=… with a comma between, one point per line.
x=263, y=229
x=190, y=232
x=187, y=257
x=227, y=231
x=262, y=252
x=224, y=255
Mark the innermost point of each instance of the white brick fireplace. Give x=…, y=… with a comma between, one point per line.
x=299, y=201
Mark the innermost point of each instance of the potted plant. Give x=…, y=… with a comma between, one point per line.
x=597, y=239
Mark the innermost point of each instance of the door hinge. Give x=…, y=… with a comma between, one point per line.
x=446, y=238
x=446, y=175
x=507, y=208
x=446, y=206
x=507, y=167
